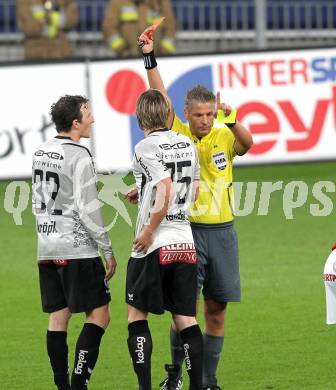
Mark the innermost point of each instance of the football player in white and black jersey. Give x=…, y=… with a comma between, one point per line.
x=162, y=270
x=70, y=234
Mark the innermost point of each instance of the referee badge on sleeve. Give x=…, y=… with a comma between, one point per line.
x=219, y=160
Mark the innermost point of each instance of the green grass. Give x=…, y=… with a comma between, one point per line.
x=275, y=339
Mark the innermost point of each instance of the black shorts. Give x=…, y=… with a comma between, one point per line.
x=78, y=284
x=155, y=285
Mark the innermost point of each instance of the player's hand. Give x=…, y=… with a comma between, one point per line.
x=111, y=266
x=132, y=196
x=222, y=106
x=145, y=41
x=144, y=240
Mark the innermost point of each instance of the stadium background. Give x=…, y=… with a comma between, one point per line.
x=277, y=337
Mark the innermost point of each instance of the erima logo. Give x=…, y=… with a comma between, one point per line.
x=187, y=358
x=46, y=228
x=81, y=361
x=178, y=145
x=53, y=155
x=140, y=350
x=130, y=297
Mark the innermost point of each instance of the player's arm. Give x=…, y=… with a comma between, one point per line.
x=195, y=189
x=153, y=75
x=162, y=196
x=89, y=209
x=243, y=138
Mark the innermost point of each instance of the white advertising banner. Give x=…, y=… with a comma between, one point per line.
x=26, y=95
x=286, y=98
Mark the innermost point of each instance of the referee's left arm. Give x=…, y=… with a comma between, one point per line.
x=243, y=139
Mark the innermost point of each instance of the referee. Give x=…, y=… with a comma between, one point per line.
x=212, y=214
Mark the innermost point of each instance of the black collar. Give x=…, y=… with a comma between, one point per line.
x=62, y=137
x=155, y=131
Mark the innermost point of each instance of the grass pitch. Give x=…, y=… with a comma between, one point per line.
x=275, y=339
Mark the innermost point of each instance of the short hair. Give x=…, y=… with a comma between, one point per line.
x=66, y=110
x=199, y=94
x=152, y=110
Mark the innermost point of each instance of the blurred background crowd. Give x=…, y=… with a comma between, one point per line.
x=49, y=29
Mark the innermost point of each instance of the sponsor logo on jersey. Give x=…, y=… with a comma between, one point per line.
x=140, y=350
x=130, y=297
x=81, y=361
x=329, y=278
x=53, y=155
x=47, y=228
x=178, y=145
x=219, y=160
x=180, y=216
x=178, y=253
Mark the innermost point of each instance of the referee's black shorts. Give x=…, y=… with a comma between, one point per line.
x=78, y=284
x=155, y=286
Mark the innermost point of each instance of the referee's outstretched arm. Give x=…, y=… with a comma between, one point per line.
x=155, y=81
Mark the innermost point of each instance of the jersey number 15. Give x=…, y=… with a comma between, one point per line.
x=177, y=177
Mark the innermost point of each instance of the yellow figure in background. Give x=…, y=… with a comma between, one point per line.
x=44, y=24
x=151, y=11
x=125, y=20
x=121, y=26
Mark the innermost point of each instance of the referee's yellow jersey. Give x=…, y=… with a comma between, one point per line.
x=216, y=153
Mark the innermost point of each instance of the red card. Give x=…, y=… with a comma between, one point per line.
x=154, y=26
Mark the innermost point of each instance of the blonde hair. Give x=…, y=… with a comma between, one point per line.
x=152, y=110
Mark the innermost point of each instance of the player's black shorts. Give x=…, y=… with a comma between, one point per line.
x=78, y=284
x=165, y=279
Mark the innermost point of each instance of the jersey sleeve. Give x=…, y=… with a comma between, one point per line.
x=87, y=203
x=148, y=161
x=180, y=127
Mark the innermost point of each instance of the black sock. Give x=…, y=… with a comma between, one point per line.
x=193, y=351
x=140, y=348
x=86, y=355
x=58, y=354
x=176, y=349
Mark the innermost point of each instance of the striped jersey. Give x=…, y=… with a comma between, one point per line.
x=163, y=154
x=65, y=202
